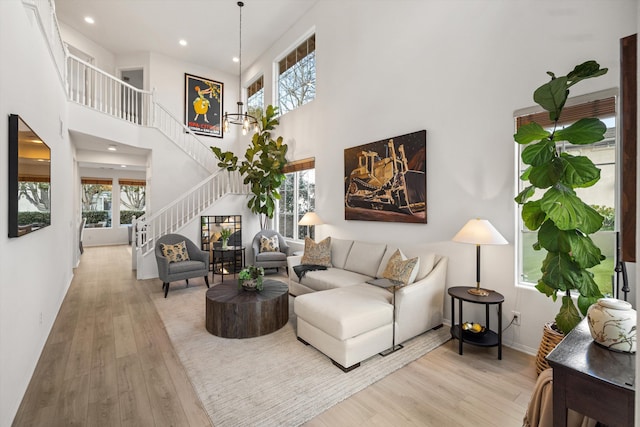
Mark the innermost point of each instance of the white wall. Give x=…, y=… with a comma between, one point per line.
x=458, y=70
x=35, y=269
x=102, y=58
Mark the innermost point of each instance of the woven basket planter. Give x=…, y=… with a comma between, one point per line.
x=550, y=339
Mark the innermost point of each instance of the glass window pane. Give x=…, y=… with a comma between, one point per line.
x=601, y=196
x=132, y=202
x=297, y=197
x=96, y=205
x=297, y=84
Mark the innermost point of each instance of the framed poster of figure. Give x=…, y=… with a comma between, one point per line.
x=387, y=180
x=203, y=105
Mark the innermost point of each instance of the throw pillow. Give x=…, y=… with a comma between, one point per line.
x=317, y=253
x=269, y=244
x=401, y=269
x=175, y=253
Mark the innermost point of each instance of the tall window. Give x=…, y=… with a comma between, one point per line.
x=601, y=196
x=96, y=201
x=132, y=199
x=255, y=98
x=297, y=76
x=297, y=197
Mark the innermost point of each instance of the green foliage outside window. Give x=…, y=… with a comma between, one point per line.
x=126, y=217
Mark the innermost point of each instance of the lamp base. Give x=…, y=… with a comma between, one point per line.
x=478, y=292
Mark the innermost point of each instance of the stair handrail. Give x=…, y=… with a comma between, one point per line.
x=171, y=218
x=190, y=143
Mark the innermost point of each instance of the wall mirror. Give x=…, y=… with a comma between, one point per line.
x=212, y=225
x=29, y=179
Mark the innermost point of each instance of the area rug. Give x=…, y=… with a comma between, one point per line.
x=273, y=380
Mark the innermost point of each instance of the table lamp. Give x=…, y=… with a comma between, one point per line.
x=479, y=232
x=310, y=218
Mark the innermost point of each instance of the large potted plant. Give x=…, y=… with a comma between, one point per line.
x=261, y=167
x=549, y=201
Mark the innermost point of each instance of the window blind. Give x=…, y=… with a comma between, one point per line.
x=299, y=165
x=96, y=181
x=132, y=182
x=598, y=108
x=255, y=87
x=305, y=48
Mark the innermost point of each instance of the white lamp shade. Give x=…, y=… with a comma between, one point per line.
x=479, y=232
x=311, y=218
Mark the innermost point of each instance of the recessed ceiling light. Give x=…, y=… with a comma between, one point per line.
x=112, y=148
x=89, y=20
x=183, y=42
x=236, y=59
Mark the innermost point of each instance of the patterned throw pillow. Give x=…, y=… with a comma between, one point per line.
x=269, y=244
x=317, y=253
x=401, y=269
x=175, y=253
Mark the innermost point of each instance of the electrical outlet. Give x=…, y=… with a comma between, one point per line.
x=516, y=317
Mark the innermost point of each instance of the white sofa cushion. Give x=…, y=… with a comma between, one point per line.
x=364, y=258
x=321, y=280
x=347, y=312
x=340, y=251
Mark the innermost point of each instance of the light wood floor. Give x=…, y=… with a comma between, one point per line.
x=108, y=361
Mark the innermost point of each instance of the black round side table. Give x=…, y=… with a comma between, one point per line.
x=489, y=338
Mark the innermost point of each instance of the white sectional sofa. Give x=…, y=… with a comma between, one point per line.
x=350, y=320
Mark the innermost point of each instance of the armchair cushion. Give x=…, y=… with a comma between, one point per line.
x=175, y=253
x=269, y=244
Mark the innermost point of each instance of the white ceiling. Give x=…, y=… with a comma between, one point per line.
x=210, y=27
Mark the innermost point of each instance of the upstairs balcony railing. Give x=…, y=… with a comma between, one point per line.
x=94, y=88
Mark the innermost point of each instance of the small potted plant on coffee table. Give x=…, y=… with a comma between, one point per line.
x=250, y=278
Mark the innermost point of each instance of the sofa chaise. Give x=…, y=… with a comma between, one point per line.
x=350, y=320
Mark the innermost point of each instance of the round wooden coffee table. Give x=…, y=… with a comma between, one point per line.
x=232, y=312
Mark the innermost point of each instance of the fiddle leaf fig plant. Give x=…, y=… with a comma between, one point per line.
x=261, y=167
x=563, y=221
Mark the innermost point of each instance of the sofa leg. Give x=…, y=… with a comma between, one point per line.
x=187, y=280
x=350, y=368
x=206, y=280
x=303, y=341
x=166, y=290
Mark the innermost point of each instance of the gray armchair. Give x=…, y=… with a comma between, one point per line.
x=270, y=259
x=196, y=266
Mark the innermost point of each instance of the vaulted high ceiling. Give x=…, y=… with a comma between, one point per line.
x=210, y=27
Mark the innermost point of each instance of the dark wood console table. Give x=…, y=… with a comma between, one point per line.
x=592, y=380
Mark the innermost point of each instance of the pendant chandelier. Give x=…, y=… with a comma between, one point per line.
x=240, y=118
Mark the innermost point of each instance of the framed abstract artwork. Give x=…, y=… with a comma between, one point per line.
x=386, y=180
x=203, y=105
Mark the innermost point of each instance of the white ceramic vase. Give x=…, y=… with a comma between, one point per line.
x=612, y=323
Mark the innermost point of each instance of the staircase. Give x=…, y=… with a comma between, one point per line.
x=91, y=87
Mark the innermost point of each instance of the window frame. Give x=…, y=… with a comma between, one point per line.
x=571, y=103
x=296, y=167
x=97, y=181
x=256, y=88
x=301, y=45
